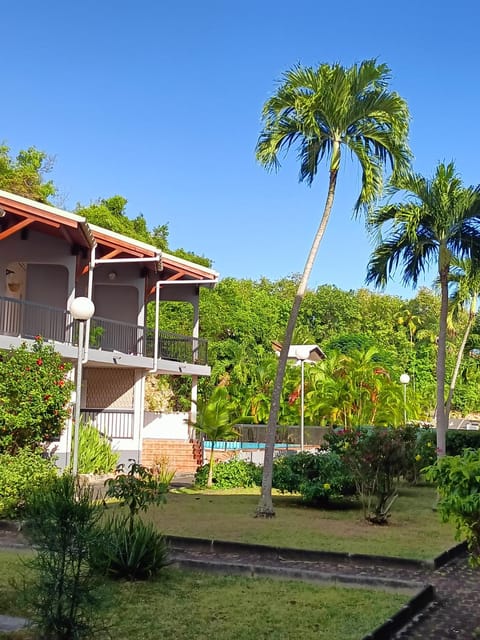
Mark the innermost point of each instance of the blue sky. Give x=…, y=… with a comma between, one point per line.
x=159, y=101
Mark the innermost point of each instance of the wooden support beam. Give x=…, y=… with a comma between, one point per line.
x=16, y=227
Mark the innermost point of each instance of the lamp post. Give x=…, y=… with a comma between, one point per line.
x=302, y=353
x=404, y=379
x=81, y=309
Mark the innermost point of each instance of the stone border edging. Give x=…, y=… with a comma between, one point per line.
x=306, y=575
x=449, y=554
x=404, y=616
x=310, y=555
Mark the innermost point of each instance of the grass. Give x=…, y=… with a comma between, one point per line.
x=414, y=530
x=182, y=605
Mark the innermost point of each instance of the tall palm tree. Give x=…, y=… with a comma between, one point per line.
x=436, y=221
x=320, y=112
x=465, y=276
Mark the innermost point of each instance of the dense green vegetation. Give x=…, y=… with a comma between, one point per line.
x=436, y=223
x=369, y=338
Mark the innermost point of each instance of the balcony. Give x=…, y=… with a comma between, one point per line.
x=27, y=320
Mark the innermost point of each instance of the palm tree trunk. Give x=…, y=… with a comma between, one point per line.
x=441, y=421
x=456, y=371
x=265, y=506
x=210, y=466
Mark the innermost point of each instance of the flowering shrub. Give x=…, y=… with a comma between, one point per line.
x=375, y=456
x=318, y=477
x=34, y=393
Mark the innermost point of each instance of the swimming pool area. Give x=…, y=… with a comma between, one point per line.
x=237, y=446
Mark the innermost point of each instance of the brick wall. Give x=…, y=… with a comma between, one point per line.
x=183, y=457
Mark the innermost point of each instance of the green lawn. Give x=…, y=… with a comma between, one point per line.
x=182, y=605
x=414, y=530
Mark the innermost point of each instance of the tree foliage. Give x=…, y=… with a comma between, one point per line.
x=25, y=174
x=247, y=365
x=111, y=213
x=215, y=420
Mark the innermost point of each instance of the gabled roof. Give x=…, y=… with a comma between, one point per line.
x=24, y=213
x=312, y=352
x=17, y=213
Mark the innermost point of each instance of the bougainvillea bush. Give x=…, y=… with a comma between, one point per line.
x=34, y=396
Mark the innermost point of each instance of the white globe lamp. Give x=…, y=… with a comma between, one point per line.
x=81, y=309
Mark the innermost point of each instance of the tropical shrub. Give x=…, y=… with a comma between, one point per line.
x=64, y=596
x=234, y=473
x=318, y=477
x=375, y=457
x=130, y=548
x=162, y=471
x=95, y=453
x=34, y=396
x=20, y=474
x=135, y=553
x=458, y=482
x=137, y=489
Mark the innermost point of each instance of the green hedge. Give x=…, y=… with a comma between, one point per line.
x=232, y=474
x=457, y=440
x=460, y=439
x=20, y=474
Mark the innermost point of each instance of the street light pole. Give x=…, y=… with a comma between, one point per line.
x=81, y=309
x=404, y=379
x=302, y=353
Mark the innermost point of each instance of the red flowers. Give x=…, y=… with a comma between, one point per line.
x=39, y=362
